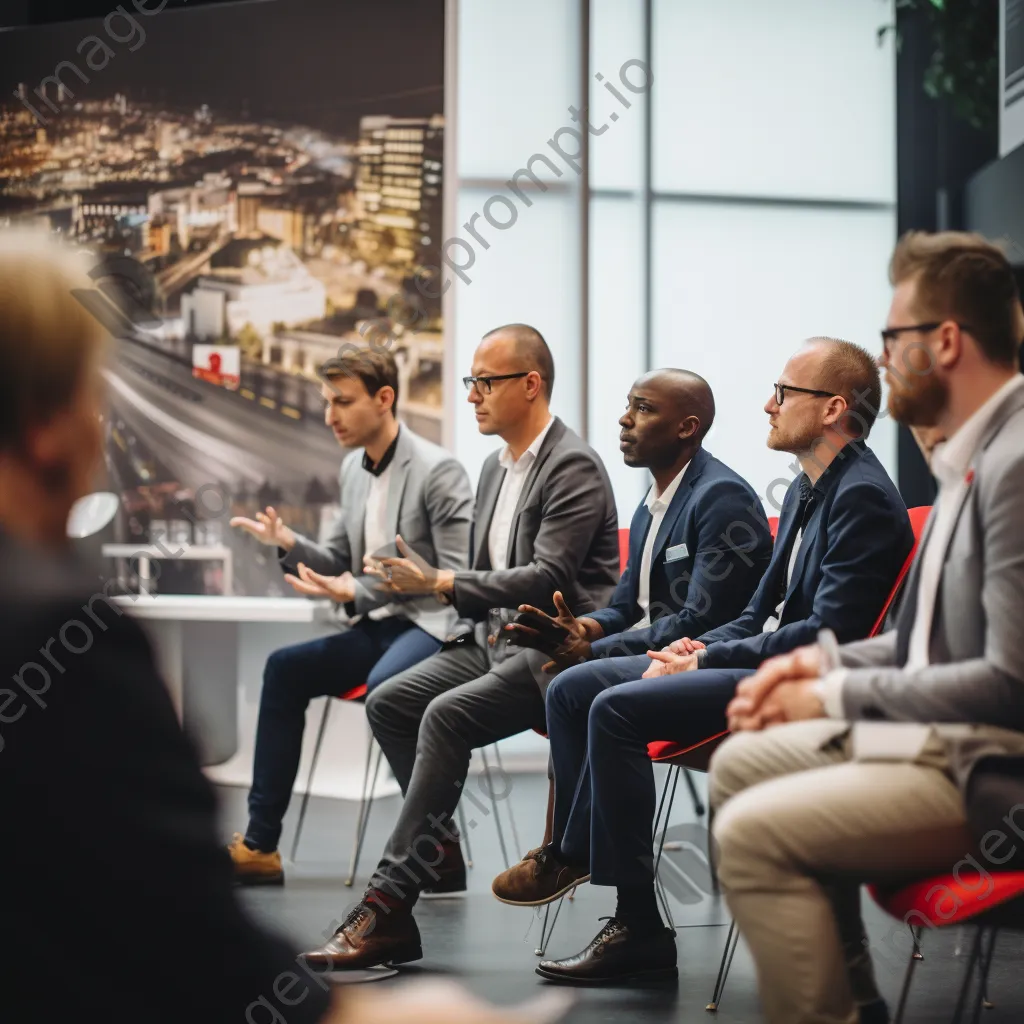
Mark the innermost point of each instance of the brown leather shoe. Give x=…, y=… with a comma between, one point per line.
x=252, y=867
x=369, y=937
x=539, y=878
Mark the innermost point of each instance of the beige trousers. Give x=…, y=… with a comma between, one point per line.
x=798, y=829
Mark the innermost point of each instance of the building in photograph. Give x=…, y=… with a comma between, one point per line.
x=398, y=191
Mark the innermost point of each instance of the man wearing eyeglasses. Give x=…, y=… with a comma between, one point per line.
x=900, y=757
x=843, y=536
x=545, y=521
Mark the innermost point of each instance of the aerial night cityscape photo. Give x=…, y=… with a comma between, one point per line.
x=268, y=216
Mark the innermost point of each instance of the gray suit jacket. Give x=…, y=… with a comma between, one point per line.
x=564, y=536
x=430, y=503
x=971, y=695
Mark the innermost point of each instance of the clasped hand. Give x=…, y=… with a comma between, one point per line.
x=781, y=690
x=409, y=574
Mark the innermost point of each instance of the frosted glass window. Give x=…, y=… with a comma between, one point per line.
x=737, y=288
x=518, y=73
x=530, y=274
x=784, y=98
x=616, y=336
x=616, y=43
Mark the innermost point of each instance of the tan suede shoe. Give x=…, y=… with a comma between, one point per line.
x=253, y=867
x=537, y=879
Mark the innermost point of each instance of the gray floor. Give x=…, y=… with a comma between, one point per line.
x=489, y=946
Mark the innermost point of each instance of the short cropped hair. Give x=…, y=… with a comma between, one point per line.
x=47, y=337
x=374, y=366
x=964, y=277
x=532, y=350
x=852, y=372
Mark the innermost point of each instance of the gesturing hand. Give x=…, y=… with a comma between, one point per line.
x=562, y=636
x=268, y=528
x=338, y=588
x=410, y=574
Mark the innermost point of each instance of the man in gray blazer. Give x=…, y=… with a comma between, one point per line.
x=545, y=521
x=874, y=777
x=393, y=482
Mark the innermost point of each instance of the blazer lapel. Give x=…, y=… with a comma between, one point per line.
x=908, y=603
x=490, y=488
x=802, y=554
x=679, y=501
x=360, y=484
x=550, y=440
x=397, y=480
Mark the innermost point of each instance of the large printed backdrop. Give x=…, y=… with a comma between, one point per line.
x=276, y=169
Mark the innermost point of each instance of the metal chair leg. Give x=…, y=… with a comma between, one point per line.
x=732, y=940
x=309, y=781
x=494, y=807
x=545, y=931
x=972, y=963
x=364, y=819
x=908, y=976
x=464, y=833
x=984, y=965
x=508, y=803
x=668, y=813
x=698, y=804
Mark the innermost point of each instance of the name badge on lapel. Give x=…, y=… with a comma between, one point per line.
x=676, y=553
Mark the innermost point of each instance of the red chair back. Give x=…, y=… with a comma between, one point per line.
x=918, y=517
x=623, y=549
x=773, y=525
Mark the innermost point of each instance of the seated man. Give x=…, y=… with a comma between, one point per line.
x=110, y=834
x=843, y=536
x=875, y=777
x=394, y=477
x=545, y=520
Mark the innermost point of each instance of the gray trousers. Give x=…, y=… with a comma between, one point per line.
x=428, y=720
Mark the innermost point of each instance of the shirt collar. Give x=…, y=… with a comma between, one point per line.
x=508, y=462
x=385, y=459
x=664, y=499
x=844, y=458
x=951, y=460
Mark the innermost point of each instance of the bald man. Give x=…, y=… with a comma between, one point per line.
x=545, y=520
x=843, y=536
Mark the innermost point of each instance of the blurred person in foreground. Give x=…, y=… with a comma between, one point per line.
x=119, y=903
x=901, y=761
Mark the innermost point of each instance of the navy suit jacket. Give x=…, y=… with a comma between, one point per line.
x=718, y=516
x=855, y=542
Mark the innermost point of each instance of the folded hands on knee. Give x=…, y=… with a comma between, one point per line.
x=783, y=689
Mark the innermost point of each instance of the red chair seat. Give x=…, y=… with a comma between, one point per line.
x=944, y=899
x=356, y=693
x=694, y=756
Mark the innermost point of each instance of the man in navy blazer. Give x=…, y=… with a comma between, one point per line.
x=698, y=544
x=844, y=534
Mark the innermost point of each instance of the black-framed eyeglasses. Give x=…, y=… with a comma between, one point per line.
x=781, y=389
x=484, y=384
x=890, y=334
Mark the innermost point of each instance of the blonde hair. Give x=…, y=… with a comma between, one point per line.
x=47, y=337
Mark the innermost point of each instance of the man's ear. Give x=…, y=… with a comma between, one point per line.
x=834, y=410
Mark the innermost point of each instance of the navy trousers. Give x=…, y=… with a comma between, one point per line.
x=369, y=652
x=601, y=716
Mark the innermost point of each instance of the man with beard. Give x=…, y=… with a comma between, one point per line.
x=843, y=536
x=893, y=764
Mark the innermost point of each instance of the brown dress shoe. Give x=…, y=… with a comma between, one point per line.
x=252, y=867
x=539, y=878
x=369, y=937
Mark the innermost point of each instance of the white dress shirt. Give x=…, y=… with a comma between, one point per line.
x=951, y=463
x=771, y=624
x=375, y=536
x=657, y=505
x=516, y=471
